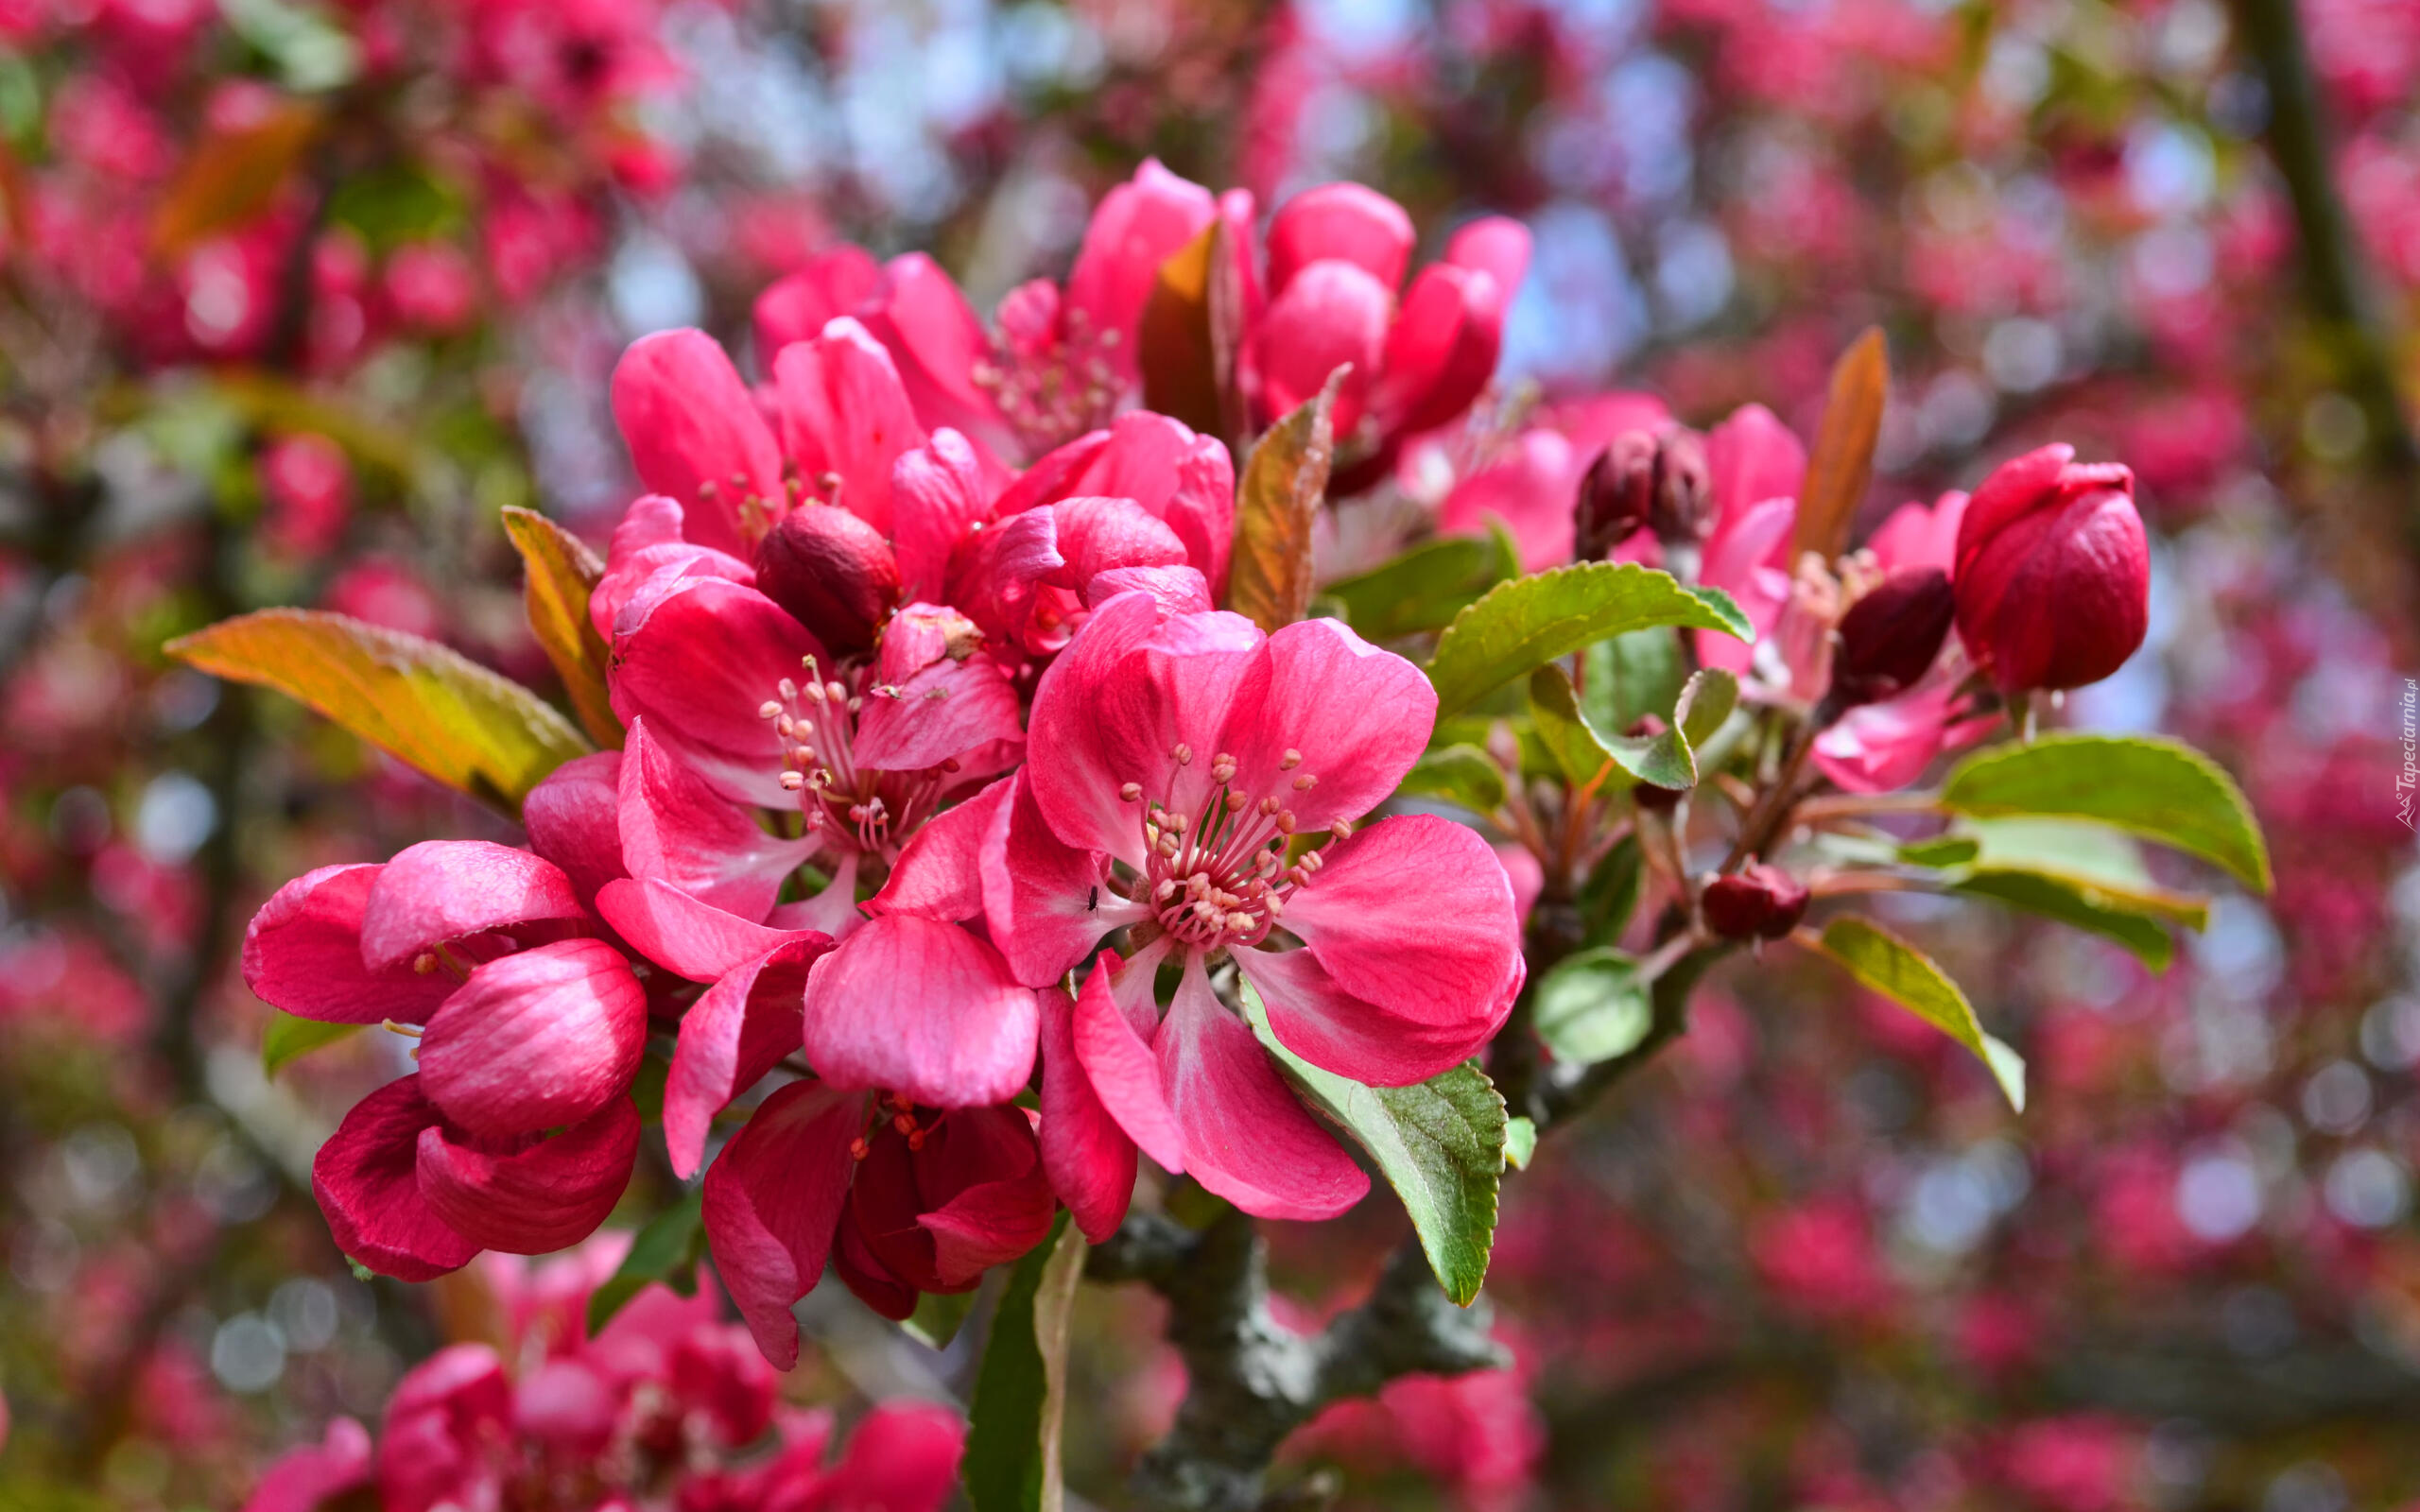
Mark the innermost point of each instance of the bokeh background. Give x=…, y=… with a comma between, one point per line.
x=293, y=297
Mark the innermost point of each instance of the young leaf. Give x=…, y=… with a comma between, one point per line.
x=1021, y=1388
x=1907, y=976
x=1842, y=461
x=288, y=1038
x=232, y=176
x=1521, y=626
x=1460, y=774
x=1440, y=1145
x=2158, y=789
x=1624, y=678
x=1941, y=850
x=1277, y=499
x=561, y=572
x=1191, y=327
x=1520, y=1142
x=667, y=1250
x=2075, y=904
x=938, y=1318
x=1581, y=751
x=1707, y=700
x=424, y=704
x=1592, y=1006
x=1424, y=588
x=2088, y=857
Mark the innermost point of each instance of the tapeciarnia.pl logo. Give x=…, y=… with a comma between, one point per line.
x=2408, y=781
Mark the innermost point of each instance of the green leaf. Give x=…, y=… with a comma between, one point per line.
x=1581, y=750
x=2158, y=789
x=1707, y=700
x=2076, y=904
x=1521, y=626
x=1610, y=892
x=667, y=1250
x=2086, y=857
x=1939, y=851
x=938, y=1318
x=1021, y=1388
x=1626, y=678
x=1907, y=976
x=560, y=573
x=1520, y=1142
x=1277, y=497
x=1424, y=588
x=1440, y=1145
x=288, y=1036
x=424, y=704
x=1592, y=1006
x=1462, y=774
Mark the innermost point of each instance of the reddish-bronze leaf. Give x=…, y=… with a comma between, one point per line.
x=232, y=176
x=1841, y=464
x=561, y=571
x=1191, y=326
x=424, y=704
x=1277, y=499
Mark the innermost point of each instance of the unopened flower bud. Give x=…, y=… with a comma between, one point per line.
x=1758, y=901
x=2052, y=575
x=1654, y=478
x=1890, y=637
x=833, y=572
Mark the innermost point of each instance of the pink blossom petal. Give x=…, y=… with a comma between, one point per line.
x=844, y=412
x=1319, y=1021
x=1533, y=488
x=771, y=1201
x=685, y=936
x=938, y=876
x=1113, y=706
x=366, y=1178
x=1746, y=559
x=678, y=830
x=567, y=1406
x=1137, y=227
x=855, y=1262
x=1330, y=315
x=716, y=1373
x=302, y=953
x=303, y=1478
x=699, y=668
x=834, y=281
x=1749, y=458
x=533, y=1201
x=1175, y=474
x=433, y=1448
x=573, y=819
x=648, y=545
x=1340, y=220
x=1045, y=902
x=922, y=1008
x=442, y=890
x=1247, y=1137
x=834, y=911
x=943, y=713
x=1914, y=536
x=1091, y=1160
x=1496, y=246
x=1357, y=718
x=902, y=1457
x=1099, y=535
x=1883, y=747
x=729, y=1037
x=1117, y=1055
x=1414, y=915
x=939, y=495
x=695, y=434
x=536, y=1039
x=1442, y=349
x=1174, y=589
x=937, y=342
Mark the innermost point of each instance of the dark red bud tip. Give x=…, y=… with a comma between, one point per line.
x=1890, y=637
x=1655, y=478
x=833, y=572
x=2053, y=572
x=1758, y=901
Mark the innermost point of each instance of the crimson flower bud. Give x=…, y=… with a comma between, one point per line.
x=1758, y=902
x=833, y=572
x=1657, y=479
x=2052, y=574
x=1890, y=637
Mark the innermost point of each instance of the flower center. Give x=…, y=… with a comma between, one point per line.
x=870, y=810
x=1221, y=878
x=1052, y=391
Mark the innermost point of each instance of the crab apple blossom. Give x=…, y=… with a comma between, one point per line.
x=1892, y=635
x=2053, y=572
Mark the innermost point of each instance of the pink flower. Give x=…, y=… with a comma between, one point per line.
x=1756, y=466
x=900, y=1198
x=431, y=286
x=308, y=486
x=1171, y=763
x=1336, y=256
x=1532, y=481
x=1063, y=361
